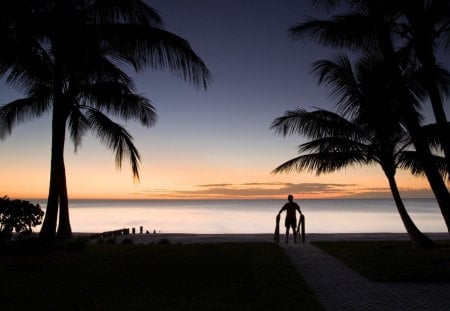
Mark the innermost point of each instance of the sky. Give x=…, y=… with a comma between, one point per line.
x=213, y=143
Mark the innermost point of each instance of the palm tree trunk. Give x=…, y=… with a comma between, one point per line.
x=441, y=121
x=435, y=180
x=439, y=114
x=64, y=229
x=418, y=239
x=48, y=229
x=57, y=173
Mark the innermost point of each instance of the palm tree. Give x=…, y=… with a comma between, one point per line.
x=410, y=120
x=428, y=26
x=372, y=133
x=79, y=47
x=348, y=145
x=371, y=25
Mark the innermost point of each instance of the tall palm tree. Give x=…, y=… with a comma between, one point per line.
x=410, y=119
x=79, y=48
x=372, y=133
x=427, y=28
x=371, y=25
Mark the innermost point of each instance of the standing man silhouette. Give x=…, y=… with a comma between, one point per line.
x=291, y=217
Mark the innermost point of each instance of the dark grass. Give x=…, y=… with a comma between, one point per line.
x=223, y=276
x=392, y=261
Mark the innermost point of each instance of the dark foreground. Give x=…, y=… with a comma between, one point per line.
x=231, y=272
x=224, y=276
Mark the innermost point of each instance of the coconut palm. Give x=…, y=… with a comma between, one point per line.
x=372, y=132
x=410, y=120
x=427, y=29
x=79, y=48
x=372, y=25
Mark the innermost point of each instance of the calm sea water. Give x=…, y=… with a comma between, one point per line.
x=248, y=216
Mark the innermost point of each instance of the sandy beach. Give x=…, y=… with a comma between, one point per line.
x=185, y=238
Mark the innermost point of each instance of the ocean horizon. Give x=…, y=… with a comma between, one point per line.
x=214, y=216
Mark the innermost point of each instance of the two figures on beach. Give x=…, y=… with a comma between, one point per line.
x=291, y=219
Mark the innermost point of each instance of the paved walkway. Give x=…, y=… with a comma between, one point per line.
x=338, y=287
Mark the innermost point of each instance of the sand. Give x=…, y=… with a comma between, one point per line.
x=185, y=238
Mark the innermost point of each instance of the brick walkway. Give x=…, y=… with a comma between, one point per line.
x=338, y=287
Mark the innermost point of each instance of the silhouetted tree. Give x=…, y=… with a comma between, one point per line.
x=371, y=132
x=427, y=29
x=19, y=216
x=71, y=63
x=373, y=26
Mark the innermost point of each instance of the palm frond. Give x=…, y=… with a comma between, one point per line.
x=321, y=163
x=445, y=40
x=116, y=138
x=126, y=11
x=78, y=125
x=334, y=144
x=23, y=62
x=352, y=30
x=328, y=5
x=443, y=78
x=19, y=111
x=119, y=100
x=315, y=124
x=156, y=48
x=338, y=75
x=409, y=160
x=434, y=133
x=99, y=68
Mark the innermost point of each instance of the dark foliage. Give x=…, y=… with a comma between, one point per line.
x=18, y=216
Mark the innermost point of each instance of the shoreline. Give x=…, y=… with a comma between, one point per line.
x=187, y=238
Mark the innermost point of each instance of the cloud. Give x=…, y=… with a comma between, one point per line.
x=275, y=190
x=377, y=193
x=214, y=185
x=257, y=190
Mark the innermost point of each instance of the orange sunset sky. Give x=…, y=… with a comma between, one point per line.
x=183, y=174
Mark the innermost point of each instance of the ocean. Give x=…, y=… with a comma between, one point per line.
x=248, y=216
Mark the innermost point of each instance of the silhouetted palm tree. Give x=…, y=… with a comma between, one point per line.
x=428, y=29
x=371, y=25
x=78, y=47
x=372, y=133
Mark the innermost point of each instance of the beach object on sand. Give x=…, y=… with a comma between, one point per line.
x=276, y=235
x=301, y=228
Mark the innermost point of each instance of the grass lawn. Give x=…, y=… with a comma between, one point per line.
x=222, y=276
x=392, y=260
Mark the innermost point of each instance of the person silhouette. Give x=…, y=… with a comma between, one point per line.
x=291, y=217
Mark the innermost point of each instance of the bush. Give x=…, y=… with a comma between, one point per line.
x=111, y=241
x=127, y=241
x=19, y=216
x=26, y=246
x=164, y=241
x=77, y=244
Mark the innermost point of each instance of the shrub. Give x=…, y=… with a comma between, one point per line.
x=127, y=241
x=26, y=246
x=76, y=244
x=164, y=241
x=19, y=216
